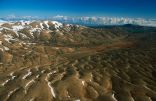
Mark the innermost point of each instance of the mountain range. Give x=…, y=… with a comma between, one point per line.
x=87, y=21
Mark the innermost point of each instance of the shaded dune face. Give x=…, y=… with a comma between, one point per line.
x=122, y=69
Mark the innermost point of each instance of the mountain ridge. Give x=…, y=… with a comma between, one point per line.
x=88, y=21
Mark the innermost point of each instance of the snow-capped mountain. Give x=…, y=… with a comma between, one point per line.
x=88, y=21
x=106, y=20
x=18, y=18
x=48, y=32
x=28, y=30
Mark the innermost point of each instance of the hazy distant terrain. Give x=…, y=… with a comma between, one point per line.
x=87, y=21
x=52, y=61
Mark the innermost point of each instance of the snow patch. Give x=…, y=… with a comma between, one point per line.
x=41, y=24
x=37, y=76
x=28, y=74
x=32, y=99
x=57, y=24
x=68, y=95
x=1, y=49
x=17, y=28
x=46, y=22
x=51, y=89
x=8, y=38
x=6, y=48
x=78, y=100
x=83, y=83
x=11, y=92
x=51, y=73
x=12, y=76
x=22, y=22
x=43, y=71
x=30, y=83
x=37, y=68
x=113, y=97
x=3, y=84
x=23, y=36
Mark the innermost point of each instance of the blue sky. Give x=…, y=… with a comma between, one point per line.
x=113, y=8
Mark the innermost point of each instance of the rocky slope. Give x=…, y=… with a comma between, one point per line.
x=51, y=61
